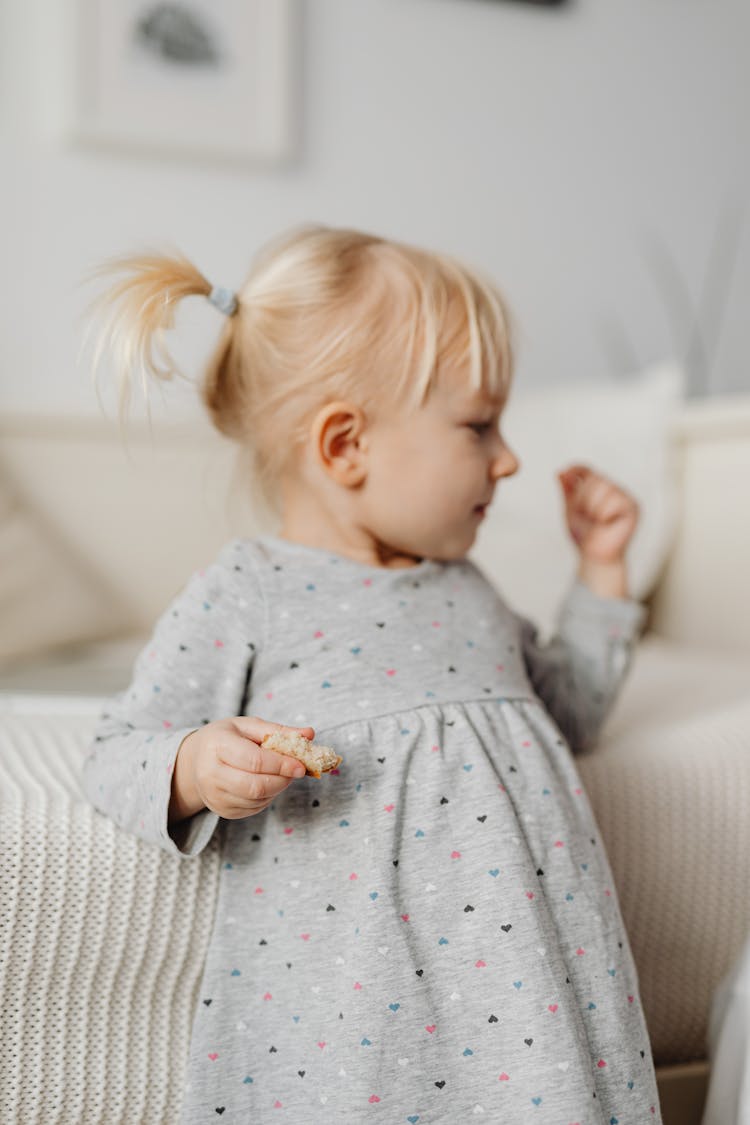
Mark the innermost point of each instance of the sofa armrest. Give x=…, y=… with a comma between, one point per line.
x=669, y=783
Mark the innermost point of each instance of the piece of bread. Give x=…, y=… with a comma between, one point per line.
x=316, y=759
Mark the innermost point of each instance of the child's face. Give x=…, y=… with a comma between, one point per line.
x=431, y=472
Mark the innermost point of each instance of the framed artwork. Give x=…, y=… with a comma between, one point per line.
x=200, y=78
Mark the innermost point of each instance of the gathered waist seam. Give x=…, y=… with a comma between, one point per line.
x=514, y=698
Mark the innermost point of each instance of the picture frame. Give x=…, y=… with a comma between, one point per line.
x=205, y=79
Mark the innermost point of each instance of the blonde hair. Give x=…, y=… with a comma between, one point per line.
x=324, y=314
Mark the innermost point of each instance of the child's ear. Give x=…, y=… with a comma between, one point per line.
x=339, y=444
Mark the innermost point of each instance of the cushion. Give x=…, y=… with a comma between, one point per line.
x=669, y=783
x=621, y=429
x=48, y=596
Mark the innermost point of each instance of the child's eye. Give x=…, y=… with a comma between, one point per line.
x=479, y=427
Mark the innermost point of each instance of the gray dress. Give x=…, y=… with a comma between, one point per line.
x=432, y=932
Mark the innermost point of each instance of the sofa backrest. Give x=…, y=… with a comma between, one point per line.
x=703, y=596
x=145, y=515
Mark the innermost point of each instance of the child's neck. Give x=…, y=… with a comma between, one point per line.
x=358, y=549
x=307, y=525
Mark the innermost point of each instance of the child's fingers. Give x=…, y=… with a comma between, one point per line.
x=253, y=727
x=594, y=495
x=575, y=482
x=247, y=792
x=575, y=467
x=608, y=502
x=615, y=506
x=574, y=474
x=243, y=754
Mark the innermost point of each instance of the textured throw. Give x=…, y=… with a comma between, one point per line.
x=102, y=941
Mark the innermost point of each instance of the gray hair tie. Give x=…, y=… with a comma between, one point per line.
x=224, y=300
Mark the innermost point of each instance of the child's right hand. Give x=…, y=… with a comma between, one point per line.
x=222, y=767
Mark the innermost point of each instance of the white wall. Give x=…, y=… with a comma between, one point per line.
x=552, y=148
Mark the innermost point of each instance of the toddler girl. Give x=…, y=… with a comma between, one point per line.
x=430, y=933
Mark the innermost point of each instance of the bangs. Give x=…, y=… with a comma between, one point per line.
x=459, y=321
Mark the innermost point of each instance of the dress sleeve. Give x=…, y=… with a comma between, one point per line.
x=195, y=669
x=579, y=672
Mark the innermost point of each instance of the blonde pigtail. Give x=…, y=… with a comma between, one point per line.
x=224, y=389
x=134, y=314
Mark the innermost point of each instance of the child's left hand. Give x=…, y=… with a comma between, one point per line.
x=601, y=516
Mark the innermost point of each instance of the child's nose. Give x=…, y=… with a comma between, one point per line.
x=506, y=463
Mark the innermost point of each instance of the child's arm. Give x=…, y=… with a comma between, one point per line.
x=194, y=670
x=579, y=672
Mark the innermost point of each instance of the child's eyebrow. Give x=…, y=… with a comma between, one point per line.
x=484, y=402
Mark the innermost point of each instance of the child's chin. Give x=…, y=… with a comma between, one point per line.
x=458, y=551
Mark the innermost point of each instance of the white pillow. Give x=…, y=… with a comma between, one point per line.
x=621, y=429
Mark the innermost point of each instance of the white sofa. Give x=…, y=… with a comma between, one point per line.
x=102, y=937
